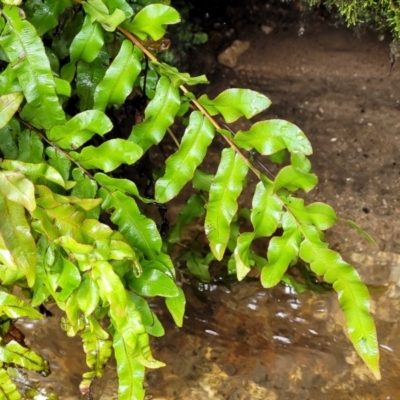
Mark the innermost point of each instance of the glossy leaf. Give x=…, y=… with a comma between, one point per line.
x=235, y=103
x=222, y=205
x=99, y=12
x=88, y=294
x=176, y=306
x=265, y=213
x=353, y=295
x=9, y=104
x=118, y=80
x=46, y=16
x=180, y=166
x=16, y=188
x=36, y=172
x=69, y=280
x=111, y=286
x=178, y=78
x=88, y=76
x=153, y=282
x=159, y=115
x=14, y=307
x=202, y=180
x=197, y=266
x=30, y=147
x=282, y=250
x=241, y=254
x=25, y=51
x=14, y=353
x=151, y=21
x=269, y=137
x=123, y=185
x=293, y=179
x=121, y=4
x=140, y=232
x=130, y=372
x=79, y=129
x=17, y=237
x=109, y=155
x=87, y=43
x=318, y=214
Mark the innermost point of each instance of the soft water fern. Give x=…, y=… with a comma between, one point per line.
x=63, y=179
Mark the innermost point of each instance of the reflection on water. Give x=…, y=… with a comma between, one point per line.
x=246, y=343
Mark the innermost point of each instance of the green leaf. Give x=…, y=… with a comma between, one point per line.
x=85, y=187
x=98, y=351
x=14, y=353
x=178, y=78
x=30, y=147
x=197, y=266
x=45, y=16
x=69, y=280
x=153, y=282
x=281, y=251
x=360, y=230
x=130, y=372
x=14, y=307
x=26, y=53
x=8, y=139
x=79, y=129
x=87, y=43
x=194, y=208
x=109, y=155
x=140, y=232
x=8, y=390
x=180, y=166
x=159, y=115
x=266, y=212
x=293, y=179
x=88, y=76
x=59, y=162
x=121, y=4
x=151, y=19
x=9, y=104
x=353, y=296
x=88, y=294
x=222, y=205
x=16, y=188
x=202, y=180
x=118, y=81
x=241, y=255
x=110, y=286
x=99, y=12
x=36, y=172
x=318, y=214
x=235, y=103
x=269, y=137
x=176, y=306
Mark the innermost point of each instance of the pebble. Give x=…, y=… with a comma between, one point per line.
x=229, y=56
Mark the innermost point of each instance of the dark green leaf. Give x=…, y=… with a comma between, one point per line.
x=59, y=161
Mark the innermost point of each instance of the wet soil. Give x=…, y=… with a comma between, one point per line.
x=245, y=342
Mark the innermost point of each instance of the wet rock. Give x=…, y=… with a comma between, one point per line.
x=229, y=56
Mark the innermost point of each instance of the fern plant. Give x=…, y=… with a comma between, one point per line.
x=72, y=226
